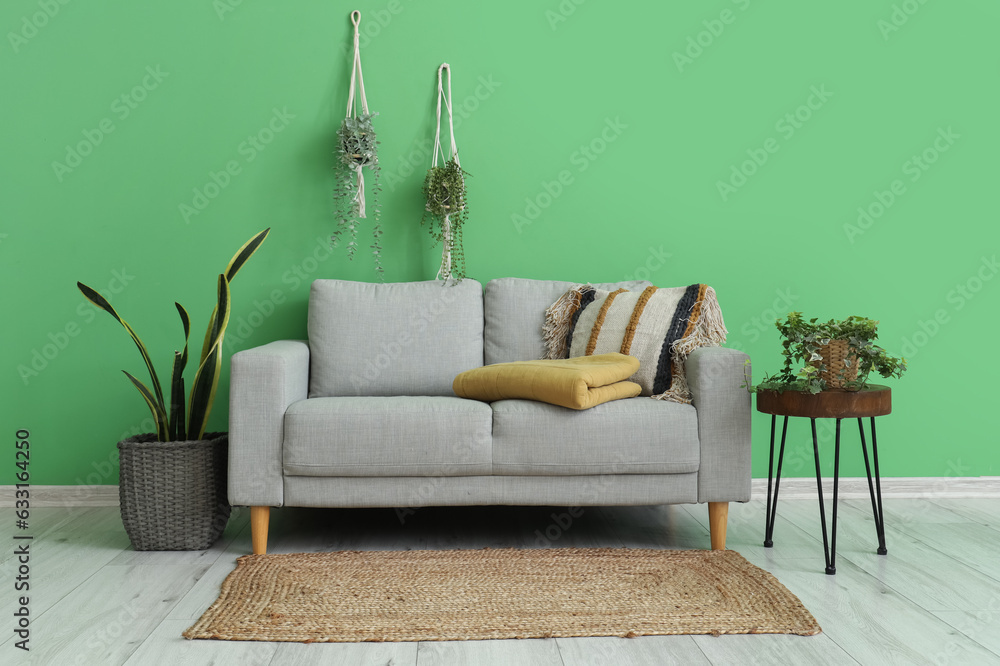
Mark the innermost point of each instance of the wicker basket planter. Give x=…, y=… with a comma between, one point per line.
x=173, y=494
x=837, y=372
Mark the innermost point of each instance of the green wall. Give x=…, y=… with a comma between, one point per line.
x=647, y=111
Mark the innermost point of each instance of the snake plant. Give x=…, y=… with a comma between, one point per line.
x=175, y=423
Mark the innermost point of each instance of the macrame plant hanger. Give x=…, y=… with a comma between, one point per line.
x=357, y=82
x=445, y=269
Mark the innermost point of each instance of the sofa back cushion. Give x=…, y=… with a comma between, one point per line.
x=406, y=338
x=515, y=314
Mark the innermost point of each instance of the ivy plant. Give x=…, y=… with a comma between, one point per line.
x=357, y=149
x=802, y=340
x=444, y=190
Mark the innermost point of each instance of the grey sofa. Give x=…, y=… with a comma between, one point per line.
x=363, y=414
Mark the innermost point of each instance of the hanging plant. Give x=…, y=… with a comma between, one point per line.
x=445, y=194
x=357, y=150
x=444, y=190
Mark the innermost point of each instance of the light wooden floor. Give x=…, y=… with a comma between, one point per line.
x=935, y=599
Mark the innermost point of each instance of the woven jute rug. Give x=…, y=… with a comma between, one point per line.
x=445, y=595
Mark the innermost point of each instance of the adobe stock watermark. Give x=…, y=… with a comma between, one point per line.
x=111, y=633
x=915, y=167
x=704, y=39
x=103, y=470
x=32, y=23
x=373, y=22
x=57, y=341
x=782, y=304
x=562, y=12
x=899, y=17
x=957, y=298
x=561, y=522
x=419, y=156
x=655, y=260
x=786, y=126
x=242, y=327
x=121, y=108
x=417, y=159
x=933, y=490
x=460, y=454
x=581, y=158
x=223, y=7
x=249, y=149
x=393, y=350
x=592, y=496
x=975, y=623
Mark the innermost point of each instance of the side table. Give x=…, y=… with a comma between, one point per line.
x=872, y=401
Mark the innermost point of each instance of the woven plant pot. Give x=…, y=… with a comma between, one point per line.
x=173, y=494
x=837, y=373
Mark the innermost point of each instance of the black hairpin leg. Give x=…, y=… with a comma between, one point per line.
x=829, y=546
x=772, y=505
x=876, y=490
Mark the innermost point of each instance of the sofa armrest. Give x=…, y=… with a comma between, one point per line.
x=716, y=377
x=264, y=382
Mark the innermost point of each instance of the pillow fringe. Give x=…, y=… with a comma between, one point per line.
x=709, y=330
x=558, y=320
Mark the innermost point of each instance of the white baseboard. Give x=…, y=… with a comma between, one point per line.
x=64, y=496
x=942, y=487
x=896, y=487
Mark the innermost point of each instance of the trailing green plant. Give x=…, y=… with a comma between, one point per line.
x=357, y=149
x=448, y=209
x=173, y=422
x=802, y=340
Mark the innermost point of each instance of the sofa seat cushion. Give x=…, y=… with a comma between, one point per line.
x=631, y=436
x=393, y=339
x=387, y=436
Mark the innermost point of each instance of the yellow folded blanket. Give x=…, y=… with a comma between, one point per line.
x=577, y=383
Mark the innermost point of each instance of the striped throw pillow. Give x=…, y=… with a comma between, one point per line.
x=658, y=326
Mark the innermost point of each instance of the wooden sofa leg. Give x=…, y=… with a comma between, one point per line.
x=259, y=516
x=718, y=513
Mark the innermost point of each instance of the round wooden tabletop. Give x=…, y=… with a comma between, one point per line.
x=873, y=400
